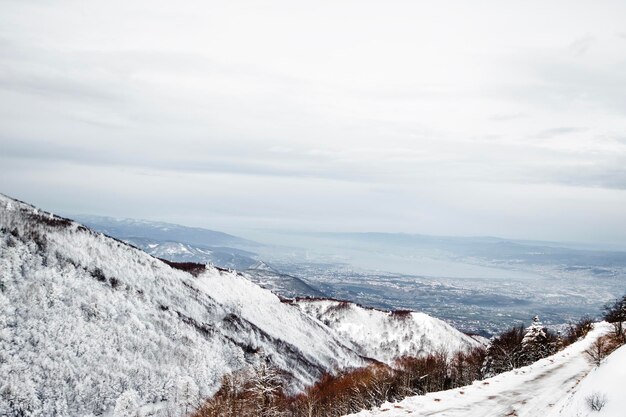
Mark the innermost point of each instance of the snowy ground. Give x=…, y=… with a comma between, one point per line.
x=547, y=388
x=606, y=381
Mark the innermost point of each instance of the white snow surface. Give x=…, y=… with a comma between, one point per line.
x=86, y=317
x=550, y=387
x=385, y=336
x=607, y=381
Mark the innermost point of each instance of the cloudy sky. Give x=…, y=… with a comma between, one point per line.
x=441, y=117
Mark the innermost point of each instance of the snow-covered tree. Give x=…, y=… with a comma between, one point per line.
x=187, y=395
x=266, y=384
x=537, y=343
x=18, y=398
x=534, y=333
x=127, y=405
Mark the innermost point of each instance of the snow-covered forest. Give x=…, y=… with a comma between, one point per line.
x=86, y=318
x=91, y=325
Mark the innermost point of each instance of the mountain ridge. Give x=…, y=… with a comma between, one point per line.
x=88, y=317
x=67, y=287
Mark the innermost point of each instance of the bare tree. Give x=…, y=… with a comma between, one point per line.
x=600, y=349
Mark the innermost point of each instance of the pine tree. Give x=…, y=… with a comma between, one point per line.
x=537, y=343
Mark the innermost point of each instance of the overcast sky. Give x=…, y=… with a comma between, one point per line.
x=441, y=117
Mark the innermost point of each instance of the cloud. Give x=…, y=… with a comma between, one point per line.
x=559, y=131
x=504, y=117
x=582, y=45
x=370, y=116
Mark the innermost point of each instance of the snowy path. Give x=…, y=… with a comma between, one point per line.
x=532, y=391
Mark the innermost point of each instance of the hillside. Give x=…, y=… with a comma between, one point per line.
x=539, y=389
x=605, y=383
x=87, y=317
x=386, y=336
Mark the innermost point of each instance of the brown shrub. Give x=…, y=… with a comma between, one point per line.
x=193, y=268
x=347, y=392
x=401, y=314
x=603, y=347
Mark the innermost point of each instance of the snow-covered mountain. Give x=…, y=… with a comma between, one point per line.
x=283, y=285
x=223, y=257
x=384, y=335
x=551, y=387
x=86, y=317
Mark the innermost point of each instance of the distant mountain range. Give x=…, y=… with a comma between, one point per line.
x=161, y=231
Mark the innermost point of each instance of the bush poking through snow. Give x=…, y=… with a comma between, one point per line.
x=596, y=401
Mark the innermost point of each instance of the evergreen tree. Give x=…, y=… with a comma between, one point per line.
x=537, y=343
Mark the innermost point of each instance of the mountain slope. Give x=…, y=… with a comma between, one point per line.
x=605, y=383
x=531, y=391
x=86, y=317
x=386, y=336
